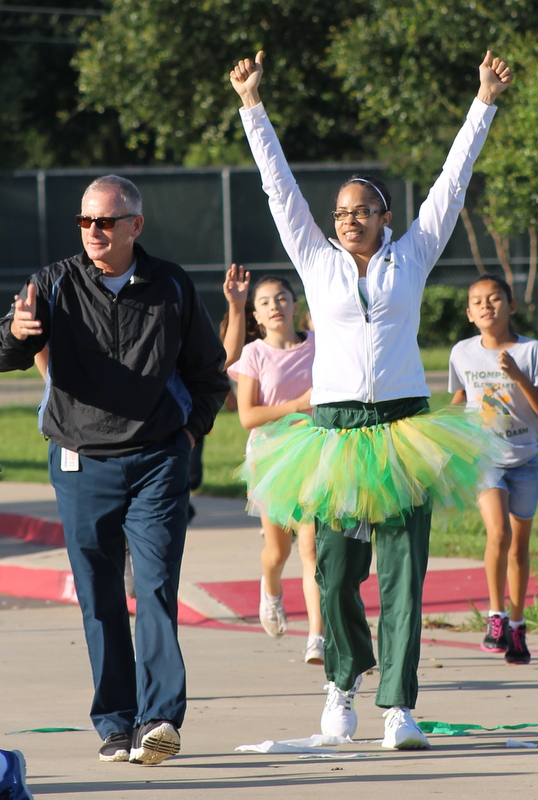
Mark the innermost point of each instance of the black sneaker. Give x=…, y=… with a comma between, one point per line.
x=116, y=747
x=154, y=741
x=518, y=652
x=13, y=784
x=495, y=640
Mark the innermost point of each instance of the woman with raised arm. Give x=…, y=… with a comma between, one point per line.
x=373, y=457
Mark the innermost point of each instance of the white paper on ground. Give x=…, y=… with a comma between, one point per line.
x=338, y=755
x=519, y=743
x=316, y=741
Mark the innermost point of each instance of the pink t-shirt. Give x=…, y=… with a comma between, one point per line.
x=282, y=374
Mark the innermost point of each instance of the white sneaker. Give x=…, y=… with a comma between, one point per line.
x=338, y=717
x=272, y=614
x=402, y=732
x=315, y=653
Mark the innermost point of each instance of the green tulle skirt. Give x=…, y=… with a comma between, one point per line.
x=297, y=471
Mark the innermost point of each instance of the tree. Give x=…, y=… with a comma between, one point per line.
x=40, y=122
x=164, y=65
x=411, y=68
x=510, y=164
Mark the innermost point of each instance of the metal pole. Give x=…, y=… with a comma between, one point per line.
x=409, y=209
x=226, y=217
x=42, y=217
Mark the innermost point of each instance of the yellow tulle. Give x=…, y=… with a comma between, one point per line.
x=297, y=471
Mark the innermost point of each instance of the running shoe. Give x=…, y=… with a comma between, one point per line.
x=315, y=653
x=272, y=614
x=154, y=741
x=339, y=717
x=402, y=732
x=495, y=640
x=116, y=747
x=13, y=784
x=517, y=652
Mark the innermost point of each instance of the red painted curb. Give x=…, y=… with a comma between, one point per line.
x=32, y=529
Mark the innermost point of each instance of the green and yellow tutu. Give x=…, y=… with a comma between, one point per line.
x=297, y=471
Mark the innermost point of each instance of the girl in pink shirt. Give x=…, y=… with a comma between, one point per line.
x=274, y=377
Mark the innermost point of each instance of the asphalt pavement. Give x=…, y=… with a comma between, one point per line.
x=246, y=688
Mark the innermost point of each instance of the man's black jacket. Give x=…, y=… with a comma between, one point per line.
x=126, y=371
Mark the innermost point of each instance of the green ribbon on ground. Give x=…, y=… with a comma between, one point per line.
x=49, y=730
x=457, y=729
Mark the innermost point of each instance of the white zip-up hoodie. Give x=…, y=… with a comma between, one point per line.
x=363, y=354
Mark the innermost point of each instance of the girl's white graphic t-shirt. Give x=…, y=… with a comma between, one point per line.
x=503, y=406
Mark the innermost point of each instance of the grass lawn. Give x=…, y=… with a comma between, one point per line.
x=435, y=358
x=33, y=372
x=23, y=455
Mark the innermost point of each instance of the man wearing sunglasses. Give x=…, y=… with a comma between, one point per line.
x=133, y=381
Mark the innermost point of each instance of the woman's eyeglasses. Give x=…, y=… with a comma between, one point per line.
x=357, y=213
x=103, y=223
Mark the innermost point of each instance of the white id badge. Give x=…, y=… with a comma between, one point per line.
x=69, y=461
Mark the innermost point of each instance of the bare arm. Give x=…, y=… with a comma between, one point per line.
x=252, y=415
x=41, y=361
x=235, y=290
x=460, y=396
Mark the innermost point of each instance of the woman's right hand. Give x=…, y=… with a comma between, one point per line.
x=303, y=403
x=246, y=77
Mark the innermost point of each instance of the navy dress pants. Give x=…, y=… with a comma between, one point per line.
x=143, y=496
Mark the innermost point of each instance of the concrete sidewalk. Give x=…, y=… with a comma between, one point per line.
x=246, y=688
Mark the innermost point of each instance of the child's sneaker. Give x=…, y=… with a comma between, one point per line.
x=517, y=651
x=315, y=652
x=495, y=640
x=402, y=732
x=339, y=717
x=272, y=614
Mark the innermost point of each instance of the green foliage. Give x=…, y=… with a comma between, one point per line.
x=510, y=158
x=531, y=615
x=41, y=124
x=443, y=317
x=412, y=68
x=164, y=65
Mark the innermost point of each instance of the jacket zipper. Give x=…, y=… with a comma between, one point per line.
x=368, y=340
x=368, y=350
x=116, y=328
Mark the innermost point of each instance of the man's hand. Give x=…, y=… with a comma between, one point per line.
x=495, y=77
x=235, y=287
x=24, y=322
x=246, y=77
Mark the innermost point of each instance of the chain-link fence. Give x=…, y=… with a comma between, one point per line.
x=205, y=219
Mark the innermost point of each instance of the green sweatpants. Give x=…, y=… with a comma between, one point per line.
x=343, y=564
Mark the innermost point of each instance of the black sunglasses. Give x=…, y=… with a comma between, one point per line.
x=103, y=223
